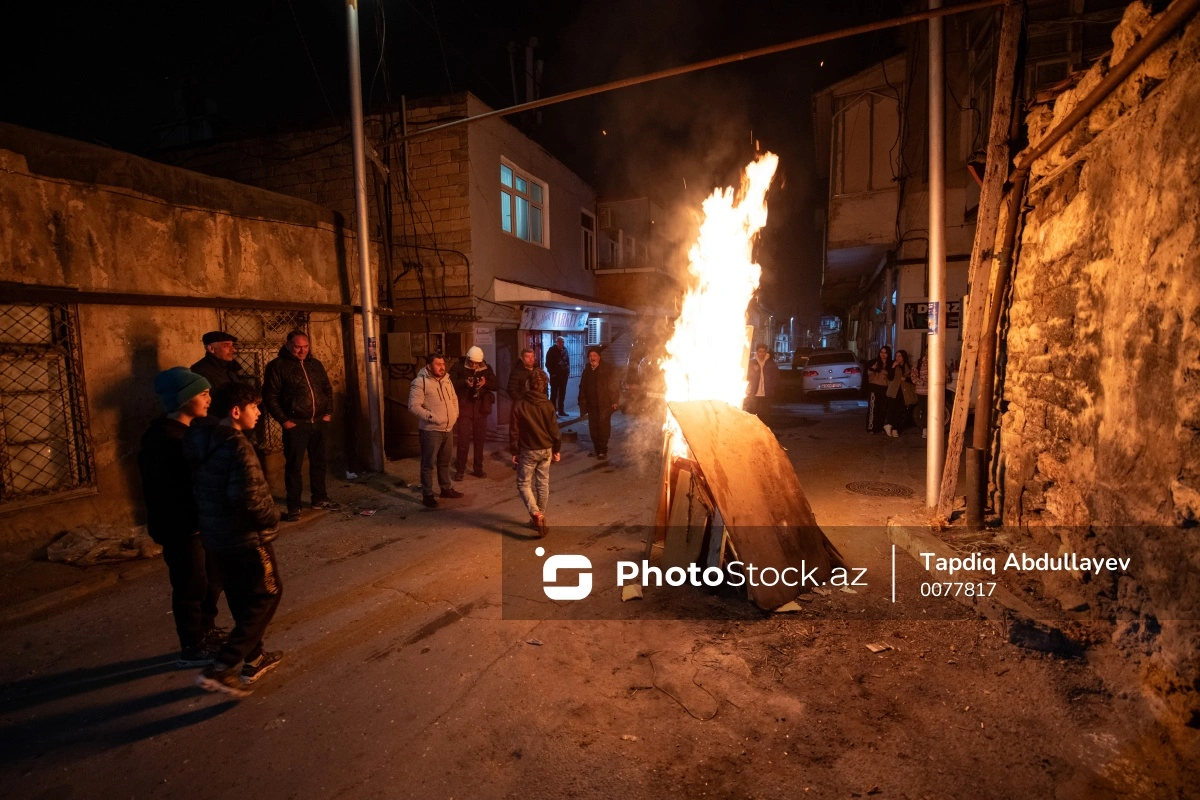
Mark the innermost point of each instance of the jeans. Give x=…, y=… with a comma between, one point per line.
x=195, y=588
x=471, y=428
x=533, y=479
x=437, y=449
x=253, y=590
x=306, y=437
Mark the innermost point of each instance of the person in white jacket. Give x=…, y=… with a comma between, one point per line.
x=433, y=401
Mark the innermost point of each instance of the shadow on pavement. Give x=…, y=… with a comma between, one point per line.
x=34, y=691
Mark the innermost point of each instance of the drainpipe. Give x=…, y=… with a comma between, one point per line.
x=935, y=444
x=1178, y=13
x=367, y=283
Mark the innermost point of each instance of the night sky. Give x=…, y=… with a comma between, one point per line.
x=111, y=73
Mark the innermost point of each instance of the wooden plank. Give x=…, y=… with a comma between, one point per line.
x=766, y=513
x=982, y=257
x=678, y=544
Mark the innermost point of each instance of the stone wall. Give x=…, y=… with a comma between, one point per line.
x=1099, y=448
x=76, y=215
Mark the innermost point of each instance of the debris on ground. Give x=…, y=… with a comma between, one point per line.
x=878, y=648
x=102, y=544
x=534, y=642
x=788, y=607
x=631, y=591
x=367, y=512
x=628, y=737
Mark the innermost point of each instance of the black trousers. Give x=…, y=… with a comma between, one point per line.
x=471, y=428
x=759, y=407
x=600, y=428
x=897, y=412
x=558, y=391
x=306, y=437
x=877, y=400
x=252, y=589
x=195, y=588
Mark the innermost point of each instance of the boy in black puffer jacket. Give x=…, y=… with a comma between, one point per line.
x=238, y=520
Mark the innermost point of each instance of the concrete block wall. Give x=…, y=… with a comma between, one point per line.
x=1099, y=446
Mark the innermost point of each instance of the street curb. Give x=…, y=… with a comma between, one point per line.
x=1021, y=623
x=53, y=601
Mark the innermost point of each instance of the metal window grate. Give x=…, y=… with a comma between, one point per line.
x=260, y=335
x=44, y=430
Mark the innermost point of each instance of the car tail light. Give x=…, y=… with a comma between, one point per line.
x=810, y=373
x=852, y=371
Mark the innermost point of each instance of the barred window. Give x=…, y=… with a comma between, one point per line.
x=45, y=453
x=260, y=334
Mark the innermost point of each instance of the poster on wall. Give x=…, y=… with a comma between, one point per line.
x=485, y=335
x=915, y=314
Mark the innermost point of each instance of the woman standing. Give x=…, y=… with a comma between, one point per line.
x=921, y=384
x=901, y=393
x=878, y=374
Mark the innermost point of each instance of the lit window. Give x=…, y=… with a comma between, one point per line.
x=522, y=205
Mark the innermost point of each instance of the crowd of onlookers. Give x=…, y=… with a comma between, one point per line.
x=897, y=392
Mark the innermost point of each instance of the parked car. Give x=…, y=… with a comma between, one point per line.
x=800, y=356
x=831, y=371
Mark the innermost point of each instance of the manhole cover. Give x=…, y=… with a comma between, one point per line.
x=879, y=489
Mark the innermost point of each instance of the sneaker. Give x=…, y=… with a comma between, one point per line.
x=539, y=524
x=429, y=501
x=215, y=638
x=459, y=475
x=895, y=434
x=602, y=456
x=220, y=678
x=200, y=656
x=452, y=494
x=291, y=516
x=266, y=661
x=887, y=429
x=479, y=473
x=328, y=505
x=592, y=454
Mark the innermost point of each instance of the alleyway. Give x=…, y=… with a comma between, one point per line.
x=402, y=679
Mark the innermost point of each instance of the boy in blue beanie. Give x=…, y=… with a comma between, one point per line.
x=171, y=517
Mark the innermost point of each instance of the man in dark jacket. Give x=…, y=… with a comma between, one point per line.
x=171, y=518
x=762, y=378
x=238, y=520
x=535, y=441
x=599, y=394
x=475, y=384
x=522, y=374
x=298, y=394
x=558, y=366
x=218, y=365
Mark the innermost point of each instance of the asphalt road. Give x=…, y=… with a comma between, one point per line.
x=410, y=672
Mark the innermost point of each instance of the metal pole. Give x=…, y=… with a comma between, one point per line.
x=366, y=280
x=935, y=444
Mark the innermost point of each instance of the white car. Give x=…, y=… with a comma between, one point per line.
x=831, y=371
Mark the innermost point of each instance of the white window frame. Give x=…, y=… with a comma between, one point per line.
x=590, y=255
x=510, y=194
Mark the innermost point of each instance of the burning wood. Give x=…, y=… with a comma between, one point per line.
x=726, y=481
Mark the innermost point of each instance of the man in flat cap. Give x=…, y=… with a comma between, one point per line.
x=218, y=366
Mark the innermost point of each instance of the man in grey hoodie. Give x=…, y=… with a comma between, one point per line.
x=434, y=403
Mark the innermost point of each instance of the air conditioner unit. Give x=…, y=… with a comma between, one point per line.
x=598, y=331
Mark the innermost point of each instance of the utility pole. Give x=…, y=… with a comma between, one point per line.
x=934, y=445
x=367, y=283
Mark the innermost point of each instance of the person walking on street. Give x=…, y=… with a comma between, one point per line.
x=535, y=441
x=433, y=401
x=558, y=367
x=298, y=394
x=475, y=384
x=878, y=376
x=522, y=374
x=762, y=377
x=901, y=393
x=599, y=394
x=218, y=365
x=238, y=521
x=171, y=517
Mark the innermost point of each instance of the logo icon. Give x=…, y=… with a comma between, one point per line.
x=565, y=562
